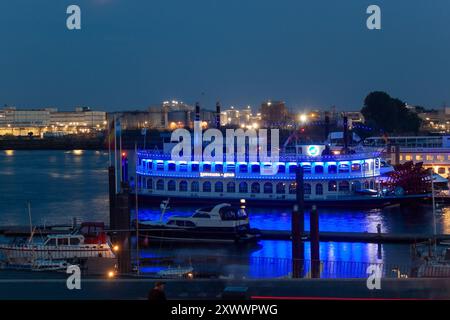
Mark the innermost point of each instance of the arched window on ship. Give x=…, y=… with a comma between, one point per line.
x=366, y=184
x=332, y=185
x=292, y=169
x=332, y=169
x=256, y=187
x=160, y=184
x=307, y=188
x=171, y=185
x=183, y=186
x=195, y=187
x=243, y=168
x=319, y=189
x=231, y=187
x=318, y=169
x=206, y=186
x=343, y=168
x=306, y=168
x=243, y=187
x=281, y=188
x=206, y=167
x=356, y=186
x=344, y=186
x=218, y=167
x=268, y=187
x=171, y=166
x=293, y=188
x=218, y=187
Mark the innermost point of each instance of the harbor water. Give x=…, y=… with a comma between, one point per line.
x=62, y=185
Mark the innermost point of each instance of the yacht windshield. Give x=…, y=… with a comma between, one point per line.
x=233, y=214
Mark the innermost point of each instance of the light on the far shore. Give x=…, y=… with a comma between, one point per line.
x=116, y=248
x=111, y=274
x=303, y=118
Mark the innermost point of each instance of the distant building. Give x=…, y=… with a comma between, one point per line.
x=273, y=113
x=20, y=122
x=137, y=119
x=436, y=121
x=355, y=116
x=81, y=117
x=13, y=117
x=432, y=151
x=177, y=114
x=233, y=117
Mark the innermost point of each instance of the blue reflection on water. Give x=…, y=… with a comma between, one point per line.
x=62, y=185
x=401, y=220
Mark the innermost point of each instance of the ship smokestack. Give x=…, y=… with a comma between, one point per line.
x=345, y=135
x=197, y=112
x=218, y=115
x=327, y=125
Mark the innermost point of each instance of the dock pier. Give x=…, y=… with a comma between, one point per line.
x=325, y=236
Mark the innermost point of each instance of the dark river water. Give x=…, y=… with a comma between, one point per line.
x=61, y=185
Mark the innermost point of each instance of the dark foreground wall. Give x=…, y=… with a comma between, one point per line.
x=16, y=285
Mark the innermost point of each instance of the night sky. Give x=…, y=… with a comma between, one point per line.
x=130, y=54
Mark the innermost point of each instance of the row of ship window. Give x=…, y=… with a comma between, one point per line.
x=255, y=187
x=255, y=168
x=427, y=157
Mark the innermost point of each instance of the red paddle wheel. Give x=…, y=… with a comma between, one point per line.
x=409, y=178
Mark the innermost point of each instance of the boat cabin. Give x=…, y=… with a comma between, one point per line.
x=226, y=212
x=93, y=232
x=64, y=240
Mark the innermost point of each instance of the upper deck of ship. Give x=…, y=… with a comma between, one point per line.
x=283, y=157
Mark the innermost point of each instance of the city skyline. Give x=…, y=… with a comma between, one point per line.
x=130, y=56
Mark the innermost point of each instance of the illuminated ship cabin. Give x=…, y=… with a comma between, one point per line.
x=326, y=178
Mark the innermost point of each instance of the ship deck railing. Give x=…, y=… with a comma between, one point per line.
x=285, y=157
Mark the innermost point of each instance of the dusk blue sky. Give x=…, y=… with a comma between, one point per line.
x=134, y=53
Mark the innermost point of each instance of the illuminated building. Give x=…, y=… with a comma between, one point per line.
x=21, y=122
x=273, y=113
x=432, y=151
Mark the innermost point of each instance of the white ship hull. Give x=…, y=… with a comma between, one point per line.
x=32, y=252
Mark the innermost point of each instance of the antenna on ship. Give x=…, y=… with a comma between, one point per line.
x=218, y=115
x=163, y=206
x=137, y=212
x=31, y=223
x=434, y=208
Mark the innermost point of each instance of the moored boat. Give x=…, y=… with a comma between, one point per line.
x=89, y=241
x=221, y=223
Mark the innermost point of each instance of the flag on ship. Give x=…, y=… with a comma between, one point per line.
x=385, y=138
x=111, y=135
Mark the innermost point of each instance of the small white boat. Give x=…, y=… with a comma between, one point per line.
x=179, y=272
x=221, y=223
x=89, y=241
x=49, y=265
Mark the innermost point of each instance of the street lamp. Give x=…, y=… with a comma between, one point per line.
x=303, y=118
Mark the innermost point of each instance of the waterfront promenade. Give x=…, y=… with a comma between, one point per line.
x=51, y=286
